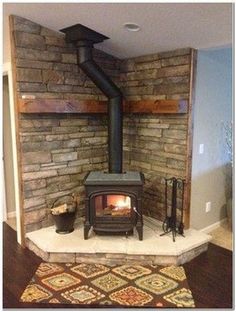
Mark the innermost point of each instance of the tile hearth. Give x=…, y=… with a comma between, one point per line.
x=154, y=249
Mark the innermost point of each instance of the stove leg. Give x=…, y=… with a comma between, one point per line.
x=87, y=227
x=139, y=229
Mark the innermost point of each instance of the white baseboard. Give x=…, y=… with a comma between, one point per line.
x=213, y=226
x=11, y=214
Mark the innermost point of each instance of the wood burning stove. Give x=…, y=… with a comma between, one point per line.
x=113, y=200
x=113, y=203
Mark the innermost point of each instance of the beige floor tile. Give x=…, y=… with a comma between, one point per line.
x=152, y=244
x=223, y=236
x=12, y=223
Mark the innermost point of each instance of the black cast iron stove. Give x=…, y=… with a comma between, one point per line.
x=113, y=203
x=113, y=199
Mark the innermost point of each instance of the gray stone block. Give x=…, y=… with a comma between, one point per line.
x=58, y=180
x=176, y=164
x=72, y=143
x=148, y=65
x=58, y=195
x=62, y=257
x=38, y=175
x=29, y=75
x=53, y=188
x=78, y=162
x=32, y=227
x=36, y=55
x=140, y=75
x=41, y=146
x=177, y=60
x=171, y=88
x=176, y=134
x=53, y=76
x=49, y=32
x=24, y=25
x=32, y=202
x=94, y=140
x=38, y=123
x=64, y=157
x=63, y=67
x=181, y=70
x=70, y=170
x=69, y=58
x=170, y=171
x=138, y=90
x=52, y=87
x=29, y=137
x=68, y=186
x=36, y=157
x=29, y=40
x=35, y=216
x=57, y=137
x=174, y=148
x=31, y=87
x=55, y=41
x=150, y=132
x=33, y=64
x=73, y=122
x=30, y=168
x=34, y=185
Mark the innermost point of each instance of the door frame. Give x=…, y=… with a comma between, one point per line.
x=7, y=71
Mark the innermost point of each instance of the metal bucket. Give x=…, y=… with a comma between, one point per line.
x=64, y=222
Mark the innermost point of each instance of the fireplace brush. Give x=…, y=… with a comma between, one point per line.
x=171, y=223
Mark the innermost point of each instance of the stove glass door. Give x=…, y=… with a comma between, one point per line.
x=113, y=205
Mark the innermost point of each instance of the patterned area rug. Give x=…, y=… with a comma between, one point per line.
x=96, y=284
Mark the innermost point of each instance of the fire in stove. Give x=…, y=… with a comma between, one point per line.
x=113, y=205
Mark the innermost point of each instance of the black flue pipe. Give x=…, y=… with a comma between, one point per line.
x=106, y=85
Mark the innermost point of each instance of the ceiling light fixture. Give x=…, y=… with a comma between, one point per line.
x=131, y=27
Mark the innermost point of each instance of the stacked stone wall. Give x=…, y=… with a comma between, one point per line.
x=46, y=66
x=58, y=150
x=157, y=143
x=57, y=153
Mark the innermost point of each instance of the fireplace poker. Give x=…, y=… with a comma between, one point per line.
x=169, y=224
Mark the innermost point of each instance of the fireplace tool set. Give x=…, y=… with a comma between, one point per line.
x=171, y=222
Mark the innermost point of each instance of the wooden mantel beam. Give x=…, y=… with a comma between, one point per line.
x=157, y=106
x=96, y=107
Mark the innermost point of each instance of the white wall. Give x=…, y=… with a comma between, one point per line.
x=7, y=70
x=213, y=108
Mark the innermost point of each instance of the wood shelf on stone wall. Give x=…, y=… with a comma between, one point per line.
x=158, y=106
x=96, y=107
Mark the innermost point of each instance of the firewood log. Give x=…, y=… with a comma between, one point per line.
x=59, y=210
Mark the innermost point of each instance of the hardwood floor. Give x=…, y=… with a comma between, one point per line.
x=210, y=278
x=209, y=275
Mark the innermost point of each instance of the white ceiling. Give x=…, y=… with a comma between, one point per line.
x=164, y=26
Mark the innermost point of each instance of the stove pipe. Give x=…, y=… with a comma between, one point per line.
x=84, y=39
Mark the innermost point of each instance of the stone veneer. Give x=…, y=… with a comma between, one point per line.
x=154, y=249
x=157, y=143
x=57, y=153
x=117, y=259
x=57, y=150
